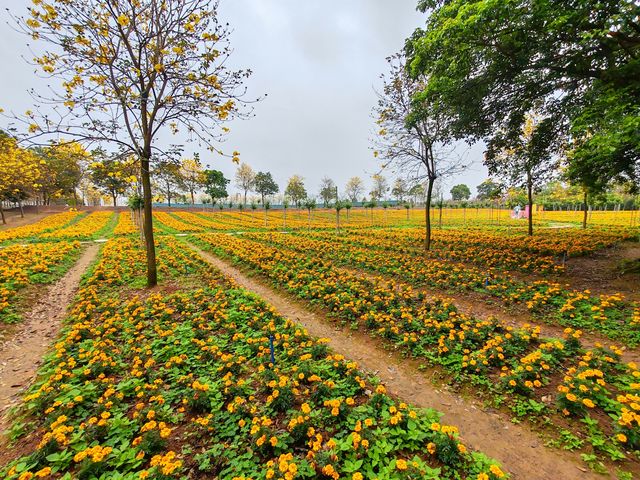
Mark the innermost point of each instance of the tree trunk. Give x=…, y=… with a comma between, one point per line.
x=440, y=215
x=4, y=220
x=584, y=206
x=530, y=203
x=152, y=272
x=427, y=209
x=193, y=200
x=21, y=209
x=115, y=197
x=245, y=198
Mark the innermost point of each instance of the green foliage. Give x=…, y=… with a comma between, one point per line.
x=490, y=63
x=460, y=192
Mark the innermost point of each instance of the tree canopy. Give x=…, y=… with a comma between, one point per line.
x=576, y=63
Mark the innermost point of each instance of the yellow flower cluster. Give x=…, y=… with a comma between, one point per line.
x=167, y=463
x=96, y=454
x=48, y=223
x=86, y=227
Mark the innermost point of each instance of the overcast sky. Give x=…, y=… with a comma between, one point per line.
x=319, y=64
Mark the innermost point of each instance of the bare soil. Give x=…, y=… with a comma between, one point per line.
x=22, y=351
x=14, y=220
x=601, y=273
x=515, y=446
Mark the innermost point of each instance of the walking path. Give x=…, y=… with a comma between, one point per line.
x=21, y=354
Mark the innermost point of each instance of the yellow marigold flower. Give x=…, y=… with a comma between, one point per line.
x=401, y=464
x=357, y=476
x=496, y=471
x=621, y=437
x=588, y=403
x=44, y=472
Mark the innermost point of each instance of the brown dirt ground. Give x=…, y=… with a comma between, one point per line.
x=515, y=446
x=600, y=272
x=14, y=220
x=21, y=353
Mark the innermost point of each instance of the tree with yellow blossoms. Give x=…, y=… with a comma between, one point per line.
x=130, y=70
x=192, y=176
x=19, y=172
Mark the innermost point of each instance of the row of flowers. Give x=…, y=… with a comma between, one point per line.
x=88, y=227
x=514, y=361
x=552, y=302
x=47, y=224
x=32, y=264
x=181, y=384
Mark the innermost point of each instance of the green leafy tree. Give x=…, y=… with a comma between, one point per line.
x=577, y=63
x=526, y=161
x=216, y=185
x=489, y=190
x=460, y=192
x=295, y=190
x=265, y=185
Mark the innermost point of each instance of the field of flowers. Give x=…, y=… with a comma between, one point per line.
x=22, y=266
x=198, y=378
x=549, y=300
x=182, y=383
x=89, y=227
x=554, y=376
x=47, y=224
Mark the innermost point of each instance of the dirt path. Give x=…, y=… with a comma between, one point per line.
x=21, y=354
x=515, y=446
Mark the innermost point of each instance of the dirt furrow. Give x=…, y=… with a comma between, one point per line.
x=515, y=446
x=21, y=354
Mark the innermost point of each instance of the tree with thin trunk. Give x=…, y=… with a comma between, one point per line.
x=130, y=71
x=110, y=174
x=412, y=136
x=166, y=175
x=295, y=190
x=245, y=180
x=310, y=204
x=193, y=176
x=265, y=185
x=327, y=191
x=526, y=162
x=379, y=188
x=354, y=189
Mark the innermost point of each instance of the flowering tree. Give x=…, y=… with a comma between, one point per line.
x=193, y=176
x=131, y=70
x=19, y=171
